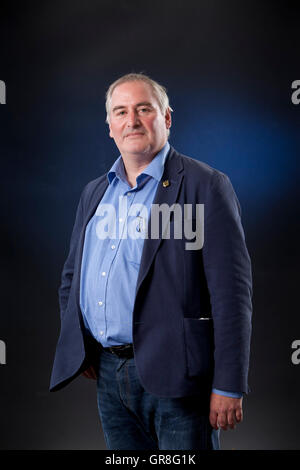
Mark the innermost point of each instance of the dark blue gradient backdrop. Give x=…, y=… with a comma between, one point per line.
x=228, y=68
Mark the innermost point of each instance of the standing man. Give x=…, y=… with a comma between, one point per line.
x=161, y=323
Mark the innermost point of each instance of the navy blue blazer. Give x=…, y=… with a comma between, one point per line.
x=176, y=354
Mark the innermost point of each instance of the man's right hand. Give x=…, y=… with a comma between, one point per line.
x=225, y=411
x=90, y=373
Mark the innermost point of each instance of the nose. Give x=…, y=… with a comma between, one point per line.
x=132, y=118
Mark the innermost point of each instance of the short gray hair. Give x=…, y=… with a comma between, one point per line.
x=159, y=91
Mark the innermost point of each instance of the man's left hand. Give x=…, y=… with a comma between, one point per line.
x=225, y=411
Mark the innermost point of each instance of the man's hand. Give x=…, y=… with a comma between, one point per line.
x=225, y=411
x=90, y=373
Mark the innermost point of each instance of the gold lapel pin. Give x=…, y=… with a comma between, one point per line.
x=166, y=183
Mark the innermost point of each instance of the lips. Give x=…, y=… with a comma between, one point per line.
x=134, y=134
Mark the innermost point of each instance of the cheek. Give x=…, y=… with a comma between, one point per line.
x=158, y=128
x=114, y=132
x=154, y=126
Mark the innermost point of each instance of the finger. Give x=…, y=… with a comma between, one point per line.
x=93, y=372
x=85, y=374
x=231, y=419
x=213, y=416
x=222, y=420
x=239, y=415
x=90, y=373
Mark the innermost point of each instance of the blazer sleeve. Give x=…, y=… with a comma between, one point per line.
x=227, y=267
x=68, y=268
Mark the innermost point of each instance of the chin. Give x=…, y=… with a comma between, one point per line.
x=138, y=148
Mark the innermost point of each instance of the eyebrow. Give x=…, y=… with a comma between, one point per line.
x=142, y=103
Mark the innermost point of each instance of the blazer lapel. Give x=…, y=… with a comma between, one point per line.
x=166, y=194
x=95, y=198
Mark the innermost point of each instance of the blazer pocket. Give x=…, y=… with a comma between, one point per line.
x=199, y=341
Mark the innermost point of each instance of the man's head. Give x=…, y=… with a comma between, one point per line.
x=138, y=114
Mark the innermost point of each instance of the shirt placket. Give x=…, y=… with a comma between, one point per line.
x=114, y=245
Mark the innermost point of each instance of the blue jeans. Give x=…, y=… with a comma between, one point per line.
x=133, y=419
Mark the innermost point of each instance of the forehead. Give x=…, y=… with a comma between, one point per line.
x=130, y=93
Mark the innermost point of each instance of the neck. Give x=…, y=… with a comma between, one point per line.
x=135, y=164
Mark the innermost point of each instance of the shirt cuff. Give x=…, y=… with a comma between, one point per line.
x=227, y=394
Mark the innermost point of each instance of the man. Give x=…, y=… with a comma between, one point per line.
x=163, y=325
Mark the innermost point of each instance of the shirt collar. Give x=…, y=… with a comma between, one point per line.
x=154, y=169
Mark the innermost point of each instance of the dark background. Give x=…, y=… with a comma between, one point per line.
x=228, y=67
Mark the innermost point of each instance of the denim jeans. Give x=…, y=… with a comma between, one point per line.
x=133, y=419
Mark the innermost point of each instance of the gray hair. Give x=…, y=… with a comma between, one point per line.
x=159, y=91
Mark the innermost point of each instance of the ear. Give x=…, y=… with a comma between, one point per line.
x=168, y=119
x=110, y=132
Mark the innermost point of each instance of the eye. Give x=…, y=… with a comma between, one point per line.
x=144, y=110
x=121, y=113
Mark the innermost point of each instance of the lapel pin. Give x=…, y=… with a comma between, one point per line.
x=166, y=183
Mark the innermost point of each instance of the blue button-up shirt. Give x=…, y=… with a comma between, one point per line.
x=113, y=245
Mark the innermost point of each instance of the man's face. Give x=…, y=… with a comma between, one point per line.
x=137, y=124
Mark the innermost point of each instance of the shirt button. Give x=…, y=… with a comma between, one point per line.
x=101, y=333
x=113, y=247
x=100, y=303
x=103, y=274
x=120, y=219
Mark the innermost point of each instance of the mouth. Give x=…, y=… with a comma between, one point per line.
x=135, y=134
